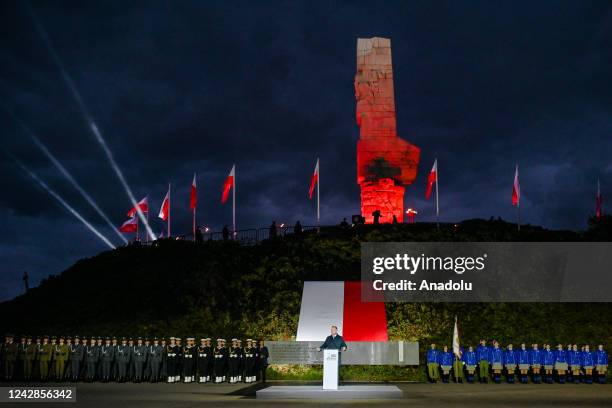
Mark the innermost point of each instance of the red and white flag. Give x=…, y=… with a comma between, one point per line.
x=194, y=196
x=432, y=178
x=229, y=183
x=144, y=207
x=164, y=211
x=516, y=188
x=314, y=180
x=130, y=225
x=598, y=202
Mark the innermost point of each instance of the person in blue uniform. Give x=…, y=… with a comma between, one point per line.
x=482, y=355
x=522, y=358
x=574, y=361
x=560, y=363
x=588, y=364
x=601, y=364
x=569, y=374
x=496, y=361
x=548, y=361
x=470, y=360
x=433, y=373
x=510, y=363
x=445, y=359
x=536, y=360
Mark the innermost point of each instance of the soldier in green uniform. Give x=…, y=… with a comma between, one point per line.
x=67, y=364
x=76, y=357
x=30, y=357
x=107, y=355
x=52, y=362
x=10, y=357
x=21, y=349
x=60, y=354
x=45, y=351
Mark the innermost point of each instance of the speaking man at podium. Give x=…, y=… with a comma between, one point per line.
x=334, y=345
x=333, y=341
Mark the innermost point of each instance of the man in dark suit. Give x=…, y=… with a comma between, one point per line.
x=333, y=341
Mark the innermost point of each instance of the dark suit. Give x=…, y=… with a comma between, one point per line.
x=336, y=342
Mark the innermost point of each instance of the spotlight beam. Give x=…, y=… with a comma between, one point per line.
x=66, y=174
x=89, y=119
x=67, y=206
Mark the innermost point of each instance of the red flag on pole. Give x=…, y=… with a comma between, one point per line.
x=229, y=183
x=433, y=177
x=194, y=197
x=314, y=179
x=130, y=225
x=598, y=202
x=516, y=188
x=144, y=207
x=164, y=211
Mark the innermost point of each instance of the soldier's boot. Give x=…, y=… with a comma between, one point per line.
x=602, y=378
x=561, y=378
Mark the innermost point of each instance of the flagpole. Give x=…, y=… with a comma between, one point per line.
x=169, y=233
x=194, y=226
x=234, y=202
x=137, y=235
x=437, y=201
x=318, y=195
x=147, y=238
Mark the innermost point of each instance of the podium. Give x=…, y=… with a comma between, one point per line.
x=331, y=368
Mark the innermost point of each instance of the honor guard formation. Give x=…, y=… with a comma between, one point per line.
x=108, y=359
x=569, y=364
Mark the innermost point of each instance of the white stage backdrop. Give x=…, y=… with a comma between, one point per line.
x=322, y=306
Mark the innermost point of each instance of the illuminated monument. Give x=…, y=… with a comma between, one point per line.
x=385, y=162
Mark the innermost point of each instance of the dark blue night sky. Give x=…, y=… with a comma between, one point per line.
x=178, y=87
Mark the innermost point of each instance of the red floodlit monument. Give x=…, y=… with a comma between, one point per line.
x=385, y=162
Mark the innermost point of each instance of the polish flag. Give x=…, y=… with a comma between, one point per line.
x=516, y=188
x=456, y=346
x=314, y=180
x=598, y=202
x=144, y=207
x=327, y=303
x=130, y=225
x=229, y=183
x=194, y=197
x=433, y=178
x=164, y=211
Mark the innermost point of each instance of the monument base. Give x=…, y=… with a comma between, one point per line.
x=344, y=392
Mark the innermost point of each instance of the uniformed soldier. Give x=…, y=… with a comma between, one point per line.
x=203, y=353
x=114, y=371
x=140, y=359
x=470, y=360
x=44, y=358
x=52, y=362
x=179, y=359
x=568, y=374
x=99, y=343
x=123, y=355
x=131, y=364
x=220, y=353
x=482, y=355
x=189, y=358
x=147, y=368
x=574, y=360
x=510, y=363
x=250, y=358
x=67, y=363
x=233, y=361
x=458, y=366
x=445, y=359
x=30, y=357
x=560, y=363
x=60, y=357
x=155, y=358
x=496, y=361
x=588, y=364
x=107, y=355
x=76, y=357
x=548, y=360
x=522, y=358
x=92, y=355
x=601, y=363
x=536, y=360
x=21, y=352
x=433, y=373
x=163, y=372
x=171, y=357
x=264, y=354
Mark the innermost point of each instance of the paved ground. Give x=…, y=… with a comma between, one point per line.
x=415, y=395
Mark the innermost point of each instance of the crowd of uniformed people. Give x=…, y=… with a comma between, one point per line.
x=132, y=359
x=569, y=364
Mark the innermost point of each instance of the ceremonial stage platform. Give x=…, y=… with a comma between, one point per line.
x=344, y=392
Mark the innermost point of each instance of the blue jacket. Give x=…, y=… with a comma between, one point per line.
x=482, y=353
x=560, y=356
x=574, y=357
x=588, y=359
x=601, y=357
x=548, y=357
x=496, y=355
x=432, y=356
x=536, y=357
x=522, y=356
x=446, y=359
x=510, y=357
x=469, y=358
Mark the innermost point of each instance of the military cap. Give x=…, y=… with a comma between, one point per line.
x=124, y=338
x=62, y=337
x=68, y=337
x=107, y=338
x=139, y=338
x=234, y=339
x=8, y=335
x=178, y=338
x=77, y=337
x=45, y=337
x=53, y=338
x=99, y=337
x=202, y=339
x=172, y=338
x=29, y=337
x=190, y=338
x=155, y=338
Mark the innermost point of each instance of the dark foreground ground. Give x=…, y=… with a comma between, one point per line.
x=415, y=395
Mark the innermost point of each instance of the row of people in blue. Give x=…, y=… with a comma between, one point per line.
x=540, y=364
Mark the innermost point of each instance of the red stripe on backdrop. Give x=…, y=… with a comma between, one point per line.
x=363, y=321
